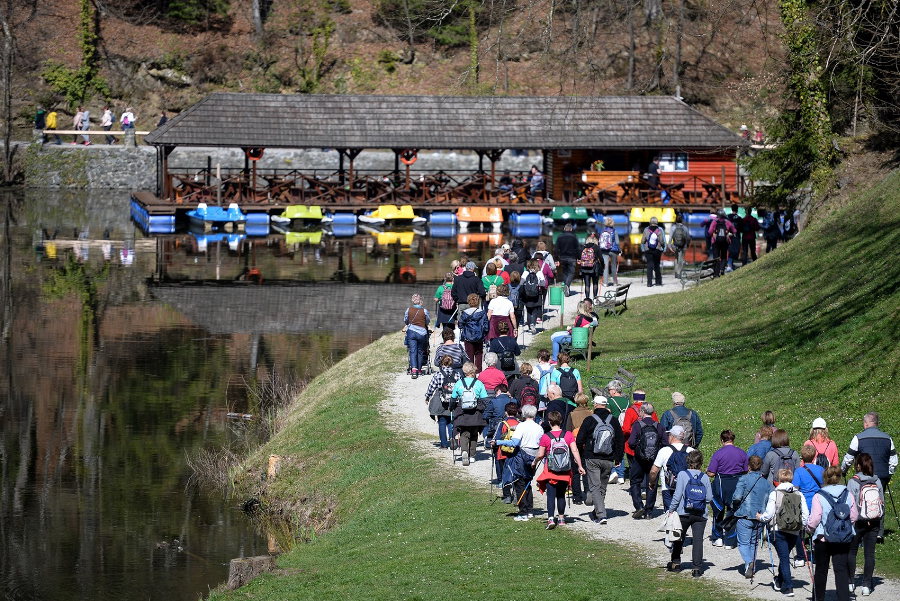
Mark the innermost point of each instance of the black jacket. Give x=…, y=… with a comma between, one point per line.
x=585, y=438
x=465, y=284
x=563, y=406
x=567, y=246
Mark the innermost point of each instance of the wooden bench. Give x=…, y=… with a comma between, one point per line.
x=614, y=301
x=599, y=384
x=698, y=272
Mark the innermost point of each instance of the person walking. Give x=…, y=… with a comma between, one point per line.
x=85, y=125
x=519, y=468
x=646, y=439
x=780, y=457
x=808, y=480
x=127, y=119
x=581, y=487
x=106, y=121
x=866, y=491
x=602, y=444
x=748, y=237
x=558, y=450
x=832, y=538
x=76, y=123
x=786, y=514
x=446, y=304
x=466, y=284
x=53, y=123
x=416, y=321
x=653, y=242
x=450, y=348
x=609, y=252
x=530, y=293
x=437, y=397
x=726, y=465
x=505, y=431
x=721, y=231
x=467, y=403
x=693, y=492
x=473, y=327
x=750, y=497
x=589, y=265
x=687, y=418
x=679, y=241
x=820, y=439
x=567, y=251
x=670, y=460
x=880, y=448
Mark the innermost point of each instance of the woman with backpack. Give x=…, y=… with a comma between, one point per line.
x=450, y=348
x=826, y=448
x=437, y=398
x=531, y=293
x=473, y=326
x=507, y=349
x=467, y=403
x=416, y=320
x=750, y=497
x=831, y=521
x=786, y=513
x=589, y=264
x=515, y=295
x=558, y=450
x=491, y=280
x=693, y=493
x=446, y=305
x=780, y=457
x=867, y=494
x=501, y=309
x=609, y=251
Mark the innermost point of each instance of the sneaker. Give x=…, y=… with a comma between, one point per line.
x=613, y=478
x=788, y=592
x=551, y=523
x=851, y=587
x=603, y=522
x=728, y=547
x=522, y=517
x=415, y=374
x=697, y=573
x=673, y=566
x=508, y=500
x=638, y=514
x=644, y=495
x=465, y=458
x=560, y=520
x=593, y=517
x=799, y=563
x=865, y=591
x=718, y=542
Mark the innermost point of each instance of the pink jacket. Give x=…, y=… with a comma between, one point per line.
x=829, y=449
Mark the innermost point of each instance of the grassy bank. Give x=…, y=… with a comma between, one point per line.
x=810, y=330
x=400, y=528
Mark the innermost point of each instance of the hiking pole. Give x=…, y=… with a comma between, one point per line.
x=812, y=582
x=754, y=538
x=771, y=557
x=891, y=495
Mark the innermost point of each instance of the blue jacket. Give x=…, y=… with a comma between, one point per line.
x=495, y=411
x=756, y=489
x=759, y=449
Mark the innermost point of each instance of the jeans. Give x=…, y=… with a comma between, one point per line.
x=558, y=339
x=723, y=492
x=721, y=258
x=866, y=534
x=445, y=430
x=640, y=482
x=109, y=139
x=783, y=543
x=598, y=471
x=556, y=498
x=679, y=261
x=610, y=268
x=654, y=271
x=837, y=555
x=568, y=271
x=533, y=314
x=697, y=524
x=416, y=344
x=747, y=538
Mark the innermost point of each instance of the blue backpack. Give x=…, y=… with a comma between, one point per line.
x=838, y=527
x=677, y=463
x=473, y=326
x=695, y=494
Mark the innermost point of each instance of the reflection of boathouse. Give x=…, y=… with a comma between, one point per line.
x=576, y=136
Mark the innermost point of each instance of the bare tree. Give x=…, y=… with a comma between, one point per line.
x=13, y=14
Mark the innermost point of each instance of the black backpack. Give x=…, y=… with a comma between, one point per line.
x=450, y=381
x=530, y=288
x=507, y=358
x=568, y=383
x=648, y=442
x=721, y=230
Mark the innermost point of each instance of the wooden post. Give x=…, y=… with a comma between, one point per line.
x=590, y=347
x=723, y=186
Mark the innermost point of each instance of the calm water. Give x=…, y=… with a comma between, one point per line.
x=124, y=353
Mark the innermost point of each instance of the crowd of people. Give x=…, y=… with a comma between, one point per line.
x=82, y=121
x=539, y=427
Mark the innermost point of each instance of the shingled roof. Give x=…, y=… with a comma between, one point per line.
x=442, y=122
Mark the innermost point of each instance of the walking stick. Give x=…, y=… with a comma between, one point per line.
x=812, y=582
x=771, y=557
x=891, y=495
x=754, y=539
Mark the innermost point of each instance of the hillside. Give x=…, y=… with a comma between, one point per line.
x=731, y=56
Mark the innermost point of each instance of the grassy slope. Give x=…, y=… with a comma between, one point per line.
x=810, y=330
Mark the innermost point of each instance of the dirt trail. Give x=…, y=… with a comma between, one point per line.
x=406, y=404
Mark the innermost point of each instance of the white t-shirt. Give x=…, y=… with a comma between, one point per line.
x=501, y=306
x=529, y=434
x=663, y=457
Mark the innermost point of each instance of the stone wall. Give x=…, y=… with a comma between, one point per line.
x=97, y=167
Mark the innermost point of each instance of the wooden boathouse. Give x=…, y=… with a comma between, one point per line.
x=596, y=152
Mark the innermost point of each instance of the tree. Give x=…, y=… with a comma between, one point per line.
x=13, y=15
x=79, y=84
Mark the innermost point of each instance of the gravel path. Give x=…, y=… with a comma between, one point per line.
x=406, y=405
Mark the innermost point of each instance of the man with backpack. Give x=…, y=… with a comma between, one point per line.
x=679, y=415
x=646, y=439
x=568, y=252
x=786, y=514
x=467, y=283
x=681, y=237
x=748, y=237
x=602, y=444
x=880, y=448
x=721, y=231
x=670, y=460
x=831, y=522
x=653, y=243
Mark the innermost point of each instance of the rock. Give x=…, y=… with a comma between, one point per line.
x=244, y=569
x=171, y=77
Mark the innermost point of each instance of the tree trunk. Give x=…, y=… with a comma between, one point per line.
x=676, y=68
x=6, y=82
x=632, y=46
x=256, y=17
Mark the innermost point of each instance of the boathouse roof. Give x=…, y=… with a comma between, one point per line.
x=442, y=122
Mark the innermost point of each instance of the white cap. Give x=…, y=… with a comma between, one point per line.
x=819, y=423
x=601, y=400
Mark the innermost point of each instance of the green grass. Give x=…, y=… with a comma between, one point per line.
x=809, y=330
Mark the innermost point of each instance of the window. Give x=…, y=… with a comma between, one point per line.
x=673, y=161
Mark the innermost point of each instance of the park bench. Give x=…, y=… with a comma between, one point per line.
x=614, y=301
x=698, y=272
x=598, y=384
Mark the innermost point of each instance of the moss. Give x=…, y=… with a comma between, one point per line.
x=40, y=162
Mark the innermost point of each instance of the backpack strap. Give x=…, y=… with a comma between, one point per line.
x=816, y=480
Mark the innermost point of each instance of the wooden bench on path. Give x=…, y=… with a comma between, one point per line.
x=598, y=385
x=614, y=301
x=698, y=272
